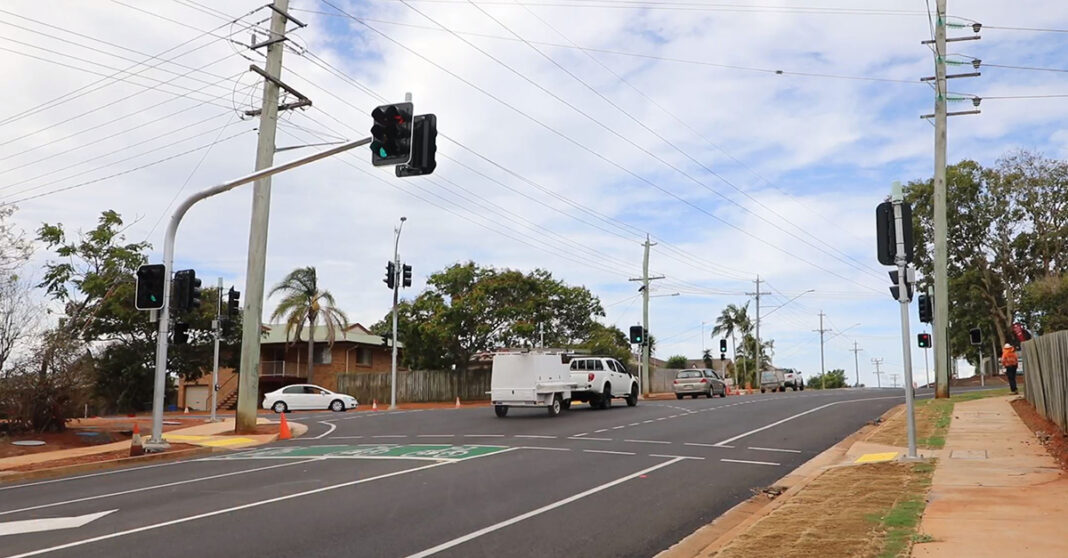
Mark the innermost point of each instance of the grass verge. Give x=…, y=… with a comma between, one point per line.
x=933, y=417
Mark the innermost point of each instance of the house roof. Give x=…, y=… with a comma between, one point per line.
x=356, y=333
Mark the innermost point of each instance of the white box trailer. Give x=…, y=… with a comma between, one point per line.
x=531, y=379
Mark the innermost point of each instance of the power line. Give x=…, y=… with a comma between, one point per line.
x=697, y=7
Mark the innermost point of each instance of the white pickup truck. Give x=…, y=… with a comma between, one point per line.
x=601, y=379
x=531, y=379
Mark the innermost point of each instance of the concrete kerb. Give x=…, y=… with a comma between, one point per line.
x=707, y=540
x=297, y=429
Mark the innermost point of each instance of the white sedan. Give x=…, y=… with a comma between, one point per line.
x=307, y=396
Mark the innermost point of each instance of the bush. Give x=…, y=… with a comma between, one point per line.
x=47, y=387
x=677, y=361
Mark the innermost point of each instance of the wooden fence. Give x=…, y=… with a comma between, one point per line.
x=1045, y=365
x=417, y=386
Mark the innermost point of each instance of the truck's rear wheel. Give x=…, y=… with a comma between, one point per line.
x=606, y=397
x=632, y=399
x=556, y=406
x=501, y=410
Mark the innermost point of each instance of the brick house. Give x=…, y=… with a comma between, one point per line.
x=356, y=350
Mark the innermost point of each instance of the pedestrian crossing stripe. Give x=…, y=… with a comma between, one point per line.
x=371, y=451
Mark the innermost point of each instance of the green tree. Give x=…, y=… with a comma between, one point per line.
x=734, y=319
x=14, y=248
x=304, y=303
x=833, y=379
x=677, y=362
x=93, y=277
x=706, y=356
x=607, y=341
x=468, y=309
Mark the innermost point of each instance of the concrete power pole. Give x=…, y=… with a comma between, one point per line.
x=856, y=362
x=757, y=294
x=397, y=278
x=249, y=378
x=941, y=280
x=823, y=368
x=877, y=362
x=216, y=327
x=645, y=312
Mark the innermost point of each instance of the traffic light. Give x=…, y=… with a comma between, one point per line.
x=391, y=275
x=150, y=279
x=637, y=335
x=886, y=232
x=406, y=275
x=186, y=290
x=925, y=301
x=391, y=134
x=976, y=336
x=923, y=340
x=895, y=290
x=723, y=346
x=233, y=303
x=424, y=146
x=181, y=333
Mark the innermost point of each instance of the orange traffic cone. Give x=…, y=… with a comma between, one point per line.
x=136, y=445
x=374, y=404
x=283, y=429
x=457, y=402
x=187, y=409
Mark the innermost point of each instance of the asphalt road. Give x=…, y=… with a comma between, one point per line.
x=620, y=482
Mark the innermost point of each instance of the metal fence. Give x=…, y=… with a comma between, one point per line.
x=418, y=386
x=1045, y=363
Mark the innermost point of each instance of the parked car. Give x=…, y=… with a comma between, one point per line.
x=307, y=396
x=696, y=381
x=601, y=379
x=793, y=380
x=774, y=380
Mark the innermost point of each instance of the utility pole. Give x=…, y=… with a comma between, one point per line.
x=941, y=280
x=216, y=327
x=823, y=368
x=877, y=362
x=249, y=378
x=757, y=294
x=893, y=378
x=645, y=312
x=396, y=290
x=856, y=362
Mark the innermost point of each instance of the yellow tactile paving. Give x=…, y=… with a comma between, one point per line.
x=876, y=457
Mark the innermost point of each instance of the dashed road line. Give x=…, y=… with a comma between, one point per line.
x=751, y=462
x=391, y=436
x=676, y=456
x=706, y=445
x=617, y=427
x=775, y=449
x=345, y=437
x=634, y=424
x=647, y=441
x=601, y=430
x=544, y=448
x=436, y=436
x=581, y=434
x=611, y=452
x=534, y=436
x=647, y=421
x=593, y=439
x=483, y=435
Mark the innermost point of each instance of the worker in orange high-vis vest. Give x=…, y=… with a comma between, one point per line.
x=1010, y=361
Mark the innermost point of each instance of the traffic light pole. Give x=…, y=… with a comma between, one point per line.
x=155, y=441
x=396, y=290
x=216, y=326
x=903, y=299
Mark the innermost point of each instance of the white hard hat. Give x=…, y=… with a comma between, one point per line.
x=1008, y=346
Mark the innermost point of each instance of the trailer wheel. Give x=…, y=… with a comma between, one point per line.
x=556, y=406
x=501, y=410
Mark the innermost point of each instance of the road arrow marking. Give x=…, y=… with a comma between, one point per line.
x=49, y=524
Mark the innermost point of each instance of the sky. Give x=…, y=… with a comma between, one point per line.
x=745, y=138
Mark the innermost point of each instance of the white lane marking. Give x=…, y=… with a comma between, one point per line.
x=706, y=445
x=169, y=484
x=775, y=449
x=617, y=427
x=483, y=435
x=49, y=524
x=506, y=450
x=223, y=511
x=436, y=436
x=674, y=456
x=801, y=414
x=323, y=435
x=391, y=436
x=460, y=540
x=647, y=441
x=601, y=430
x=634, y=424
x=115, y=472
x=661, y=418
x=750, y=462
x=580, y=434
x=544, y=448
x=611, y=452
x=647, y=421
x=535, y=436
x=594, y=439
x=345, y=437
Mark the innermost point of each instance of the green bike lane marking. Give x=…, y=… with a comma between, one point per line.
x=371, y=451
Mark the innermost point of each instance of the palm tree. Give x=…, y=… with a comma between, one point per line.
x=734, y=319
x=303, y=303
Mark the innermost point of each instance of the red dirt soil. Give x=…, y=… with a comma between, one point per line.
x=96, y=457
x=1054, y=440
x=114, y=429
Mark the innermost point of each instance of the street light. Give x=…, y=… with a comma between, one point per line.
x=396, y=290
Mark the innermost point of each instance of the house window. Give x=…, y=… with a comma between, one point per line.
x=322, y=355
x=363, y=356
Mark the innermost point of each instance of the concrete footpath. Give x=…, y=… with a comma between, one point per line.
x=995, y=491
